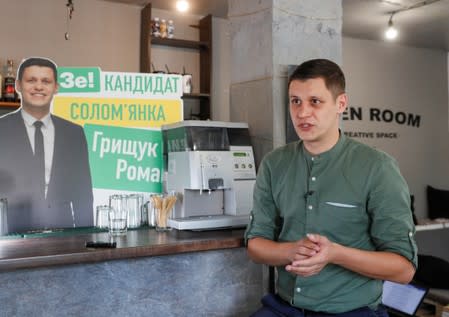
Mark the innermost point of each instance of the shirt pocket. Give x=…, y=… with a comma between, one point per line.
x=344, y=222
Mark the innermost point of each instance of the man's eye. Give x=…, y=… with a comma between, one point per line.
x=316, y=101
x=295, y=101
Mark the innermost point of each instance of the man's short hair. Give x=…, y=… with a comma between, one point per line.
x=332, y=74
x=36, y=61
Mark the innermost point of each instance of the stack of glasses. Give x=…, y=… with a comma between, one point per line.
x=123, y=212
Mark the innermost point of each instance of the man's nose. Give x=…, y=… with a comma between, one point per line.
x=304, y=110
x=38, y=85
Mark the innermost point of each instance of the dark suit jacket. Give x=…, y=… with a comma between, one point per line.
x=69, y=199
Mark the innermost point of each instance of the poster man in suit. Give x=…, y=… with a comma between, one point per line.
x=44, y=166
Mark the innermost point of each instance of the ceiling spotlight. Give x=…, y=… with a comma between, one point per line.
x=182, y=5
x=391, y=33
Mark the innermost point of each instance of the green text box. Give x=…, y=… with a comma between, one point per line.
x=79, y=79
x=125, y=158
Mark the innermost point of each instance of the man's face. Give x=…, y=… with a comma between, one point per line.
x=37, y=88
x=315, y=112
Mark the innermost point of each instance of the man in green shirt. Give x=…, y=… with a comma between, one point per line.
x=331, y=214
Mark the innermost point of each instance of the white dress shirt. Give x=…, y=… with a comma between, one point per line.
x=48, y=132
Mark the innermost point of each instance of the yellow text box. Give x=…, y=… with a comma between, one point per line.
x=124, y=112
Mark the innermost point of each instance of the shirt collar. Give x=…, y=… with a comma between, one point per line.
x=329, y=154
x=29, y=119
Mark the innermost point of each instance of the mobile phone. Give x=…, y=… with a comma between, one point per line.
x=101, y=244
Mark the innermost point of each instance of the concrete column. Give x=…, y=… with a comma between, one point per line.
x=266, y=37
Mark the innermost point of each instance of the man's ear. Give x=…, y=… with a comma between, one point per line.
x=18, y=86
x=342, y=102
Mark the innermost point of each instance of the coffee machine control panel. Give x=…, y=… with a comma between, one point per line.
x=243, y=164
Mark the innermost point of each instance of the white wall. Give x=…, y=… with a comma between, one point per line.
x=409, y=80
x=102, y=33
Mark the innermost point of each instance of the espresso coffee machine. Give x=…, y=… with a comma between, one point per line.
x=210, y=166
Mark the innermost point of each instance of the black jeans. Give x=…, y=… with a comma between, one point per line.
x=274, y=306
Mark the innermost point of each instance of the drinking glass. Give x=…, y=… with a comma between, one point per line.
x=118, y=215
x=3, y=216
x=102, y=217
x=144, y=212
x=151, y=211
x=134, y=202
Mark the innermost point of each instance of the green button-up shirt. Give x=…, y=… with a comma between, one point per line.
x=352, y=194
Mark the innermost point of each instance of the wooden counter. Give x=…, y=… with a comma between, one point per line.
x=20, y=253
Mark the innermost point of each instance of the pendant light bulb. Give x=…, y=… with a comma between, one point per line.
x=182, y=5
x=391, y=33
